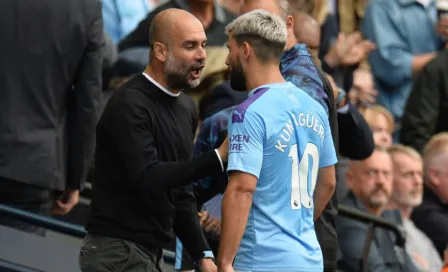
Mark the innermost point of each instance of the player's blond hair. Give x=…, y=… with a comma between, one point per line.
x=264, y=31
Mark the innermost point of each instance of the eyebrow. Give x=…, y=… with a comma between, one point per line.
x=194, y=42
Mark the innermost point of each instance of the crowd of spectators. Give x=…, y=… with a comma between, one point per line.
x=387, y=60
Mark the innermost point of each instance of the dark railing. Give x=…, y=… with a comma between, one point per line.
x=374, y=222
x=79, y=232
x=57, y=225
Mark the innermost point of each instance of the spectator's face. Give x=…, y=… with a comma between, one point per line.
x=380, y=128
x=438, y=175
x=371, y=180
x=408, y=180
x=236, y=73
x=186, y=55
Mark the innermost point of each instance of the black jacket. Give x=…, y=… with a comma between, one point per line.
x=50, y=80
x=427, y=107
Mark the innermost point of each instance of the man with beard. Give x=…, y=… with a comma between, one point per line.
x=281, y=158
x=407, y=194
x=370, y=183
x=143, y=161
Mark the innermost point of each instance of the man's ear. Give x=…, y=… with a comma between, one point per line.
x=160, y=51
x=290, y=24
x=433, y=177
x=349, y=178
x=247, y=50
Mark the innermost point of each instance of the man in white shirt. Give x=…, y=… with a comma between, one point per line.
x=408, y=194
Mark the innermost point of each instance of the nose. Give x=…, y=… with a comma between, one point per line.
x=227, y=60
x=417, y=179
x=201, y=54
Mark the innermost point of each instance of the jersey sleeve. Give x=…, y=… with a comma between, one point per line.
x=246, y=139
x=327, y=152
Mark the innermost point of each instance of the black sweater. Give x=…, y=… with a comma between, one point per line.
x=143, y=164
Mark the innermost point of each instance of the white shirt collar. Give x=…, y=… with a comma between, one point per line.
x=160, y=86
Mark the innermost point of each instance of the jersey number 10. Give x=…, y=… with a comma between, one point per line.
x=300, y=173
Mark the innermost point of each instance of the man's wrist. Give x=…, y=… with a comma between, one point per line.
x=207, y=254
x=331, y=59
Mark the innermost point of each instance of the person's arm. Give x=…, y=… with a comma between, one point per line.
x=244, y=168
x=392, y=62
x=356, y=138
x=422, y=109
x=235, y=211
x=110, y=52
x=420, y=61
x=83, y=105
x=325, y=186
x=187, y=227
x=326, y=178
x=131, y=132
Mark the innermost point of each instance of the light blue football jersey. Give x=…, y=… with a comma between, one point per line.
x=282, y=136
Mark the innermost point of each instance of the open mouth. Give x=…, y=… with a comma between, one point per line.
x=196, y=73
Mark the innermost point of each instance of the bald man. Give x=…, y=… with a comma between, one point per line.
x=307, y=31
x=144, y=158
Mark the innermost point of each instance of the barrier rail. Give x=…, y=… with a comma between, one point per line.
x=374, y=222
x=58, y=226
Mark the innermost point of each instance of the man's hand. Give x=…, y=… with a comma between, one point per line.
x=363, y=90
x=207, y=265
x=358, y=52
x=223, y=150
x=227, y=268
x=210, y=224
x=341, y=47
x=66, y=202
x=442, y=26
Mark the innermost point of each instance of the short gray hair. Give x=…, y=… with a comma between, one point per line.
x=264, y=31
x=284, y=8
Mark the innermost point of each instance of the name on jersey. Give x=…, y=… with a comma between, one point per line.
x=307, y=120
x=236, y=142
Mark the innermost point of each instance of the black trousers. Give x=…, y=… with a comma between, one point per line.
x=26, y=197
x=106, y=254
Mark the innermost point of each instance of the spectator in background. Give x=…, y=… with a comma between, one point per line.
x=402, y=52
x=370, y=182
x=407, y=194
x=122, y=16
x=342, y=49
x=427, y=107
x=432, y=216
x=134, y=48
x=50, y=92
x=381, y=123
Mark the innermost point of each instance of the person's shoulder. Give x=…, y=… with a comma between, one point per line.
x=129, y=93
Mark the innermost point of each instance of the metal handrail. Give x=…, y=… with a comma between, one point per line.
x=58, y=226
x=376, y=221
